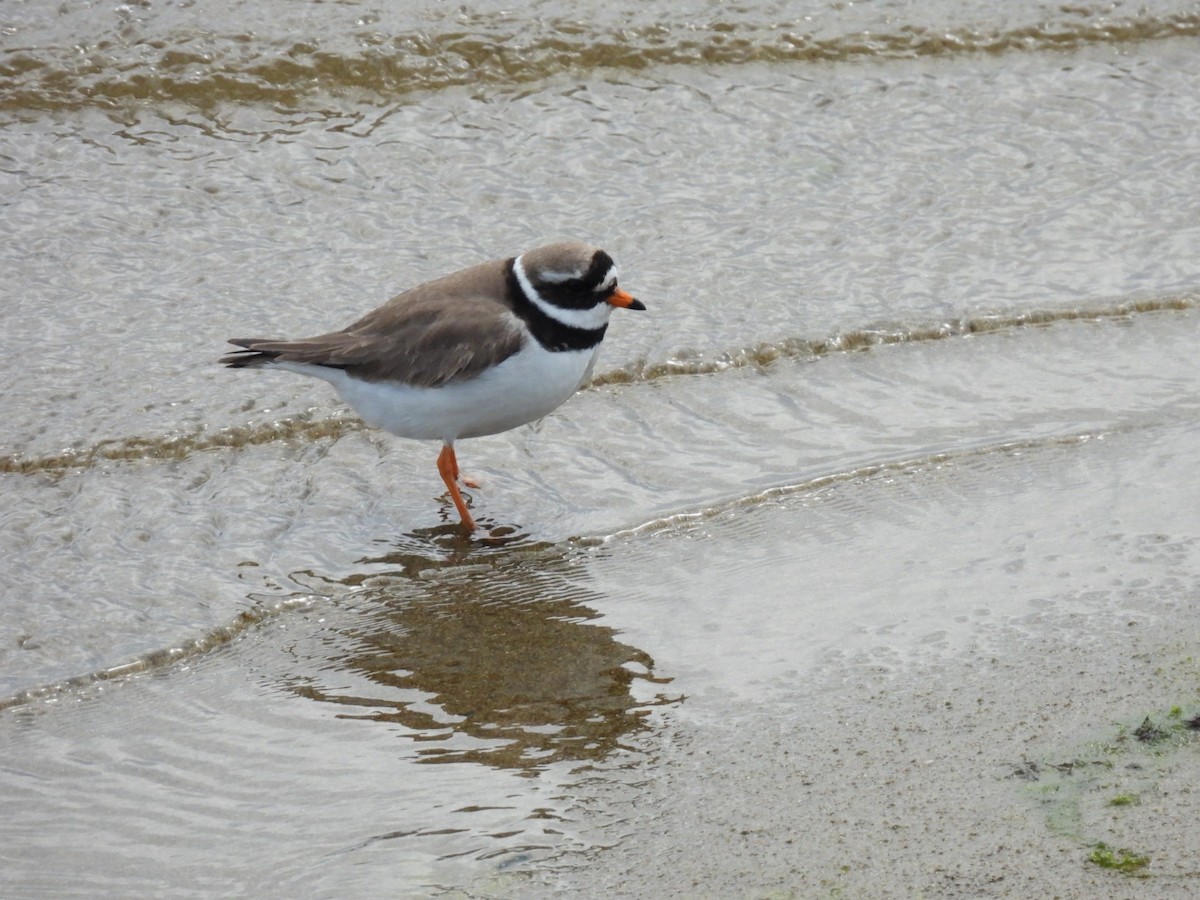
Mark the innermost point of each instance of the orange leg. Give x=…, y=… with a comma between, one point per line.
x=469, y=482
x=448, y=469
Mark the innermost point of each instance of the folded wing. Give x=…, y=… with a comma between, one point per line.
x=418, y=339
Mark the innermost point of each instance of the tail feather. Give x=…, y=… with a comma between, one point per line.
x=250, y=357
x=336, y=350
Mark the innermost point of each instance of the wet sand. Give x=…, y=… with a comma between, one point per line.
x=994, y=774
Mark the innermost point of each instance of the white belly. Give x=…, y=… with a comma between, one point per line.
x=523, y=388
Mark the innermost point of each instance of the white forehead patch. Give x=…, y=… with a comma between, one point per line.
x=552, y=276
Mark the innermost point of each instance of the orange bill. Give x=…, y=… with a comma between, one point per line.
x=624, y=300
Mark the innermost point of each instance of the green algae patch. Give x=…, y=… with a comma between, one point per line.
x=1125, y=800
x=1125, y=861
x=1101, y=794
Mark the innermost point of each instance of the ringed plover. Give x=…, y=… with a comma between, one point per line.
x=476, y=352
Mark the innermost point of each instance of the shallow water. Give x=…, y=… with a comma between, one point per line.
x=917, y=377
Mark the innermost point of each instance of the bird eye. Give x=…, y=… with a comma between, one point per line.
x=608, y=284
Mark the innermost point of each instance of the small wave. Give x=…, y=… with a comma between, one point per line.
x=769, y=352
x=160, y=659
x=202, y=70
x=871, y=472
x=178, y=447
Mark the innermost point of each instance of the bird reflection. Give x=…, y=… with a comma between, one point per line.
x=487, y=657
